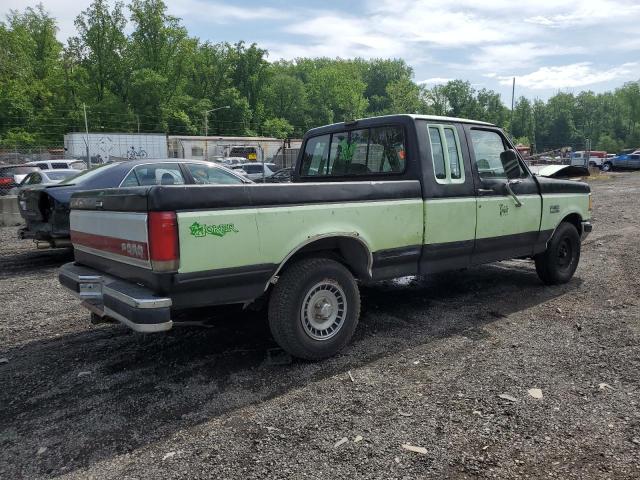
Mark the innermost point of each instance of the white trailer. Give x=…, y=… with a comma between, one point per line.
x=105, y=147
x=258, y=149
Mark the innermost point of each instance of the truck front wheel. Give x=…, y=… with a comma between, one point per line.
x=314, y=308
x=559, y=261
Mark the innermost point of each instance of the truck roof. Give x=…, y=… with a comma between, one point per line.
x=369, y=121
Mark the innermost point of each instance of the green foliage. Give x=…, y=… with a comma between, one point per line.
x=277, y=128
x=136, y=69
x=404, y=97
x=609, y=144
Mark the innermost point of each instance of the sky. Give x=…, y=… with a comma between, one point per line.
x=548, y=45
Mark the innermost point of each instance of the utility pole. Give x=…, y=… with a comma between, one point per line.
x=206, y=128
x=513, y=94
x=138, y=117
x=86, y=129
x=587, y=154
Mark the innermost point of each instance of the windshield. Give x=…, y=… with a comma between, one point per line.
x=86, y=175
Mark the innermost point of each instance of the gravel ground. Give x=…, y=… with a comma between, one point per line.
x=426, y=368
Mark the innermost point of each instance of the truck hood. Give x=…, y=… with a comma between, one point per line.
x=557, y=185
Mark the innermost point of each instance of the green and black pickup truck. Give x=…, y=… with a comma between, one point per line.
x=372, y=199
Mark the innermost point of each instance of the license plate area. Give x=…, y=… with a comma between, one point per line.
x=90, y=289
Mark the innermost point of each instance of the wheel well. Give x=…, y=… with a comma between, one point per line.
x=349, y=251
x=575, y=220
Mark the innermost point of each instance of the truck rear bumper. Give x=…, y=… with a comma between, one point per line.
x=132, y=305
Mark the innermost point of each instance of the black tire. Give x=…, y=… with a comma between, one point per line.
x=303, y=283
x=558, y=263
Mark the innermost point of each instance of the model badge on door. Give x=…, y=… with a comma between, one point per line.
x=504, y=209
x=554, y=209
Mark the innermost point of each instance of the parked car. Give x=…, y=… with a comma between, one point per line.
x=12, y=175
x=281, y=176
x=255, y=169
x=43, y=177
x=59, y=164
x=45, y=208
x=371, y=199
x=623, y=161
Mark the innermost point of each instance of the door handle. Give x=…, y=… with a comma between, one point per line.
x=485, y=191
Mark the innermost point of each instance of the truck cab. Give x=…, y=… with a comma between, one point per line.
x=372, y=199
x=592, y=158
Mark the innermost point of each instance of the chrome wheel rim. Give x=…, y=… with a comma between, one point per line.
x=324, y=310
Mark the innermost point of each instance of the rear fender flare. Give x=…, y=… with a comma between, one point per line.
x=349, y=236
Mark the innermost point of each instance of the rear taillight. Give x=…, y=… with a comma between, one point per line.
x=164, y=249
x=6, y=180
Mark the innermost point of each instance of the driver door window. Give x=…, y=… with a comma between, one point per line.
x=487, y=147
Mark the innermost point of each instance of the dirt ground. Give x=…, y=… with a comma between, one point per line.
x=426, y=368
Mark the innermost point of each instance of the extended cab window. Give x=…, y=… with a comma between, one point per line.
x=487, y=147
x=446, y=154
x=355, y=152
x=316, y=154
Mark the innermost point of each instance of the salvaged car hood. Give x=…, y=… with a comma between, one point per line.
x=559, y=171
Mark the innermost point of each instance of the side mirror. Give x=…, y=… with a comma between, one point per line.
x=508, y=156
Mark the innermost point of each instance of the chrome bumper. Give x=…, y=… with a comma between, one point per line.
x=586, y=230
x=132, y=305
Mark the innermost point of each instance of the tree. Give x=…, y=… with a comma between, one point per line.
x=277, y=128
x=490, y=108
x=609, y=144
x=285, y=97
x=102, y=45
x=404, y=97
x=460, y=99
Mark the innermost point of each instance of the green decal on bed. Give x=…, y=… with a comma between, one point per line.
x=200, y=230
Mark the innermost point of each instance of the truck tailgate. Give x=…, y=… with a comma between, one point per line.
x=119, y=236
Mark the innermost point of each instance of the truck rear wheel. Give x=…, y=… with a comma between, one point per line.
x=558, y=263
x=314, y=308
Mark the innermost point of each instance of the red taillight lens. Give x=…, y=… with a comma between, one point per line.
x=6, y=180
x=164, y=249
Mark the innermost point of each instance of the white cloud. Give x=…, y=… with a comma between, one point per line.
x=512, y=56
x=586, y=13
x=571, y=76
x=202, y=11
x=434, y=81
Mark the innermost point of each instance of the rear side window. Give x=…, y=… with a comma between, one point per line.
x=205, y=175
x=154, y=174
x=59, y=165
x=446, y=154
x=359, y=152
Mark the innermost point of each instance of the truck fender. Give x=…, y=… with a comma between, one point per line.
x=352, y=237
